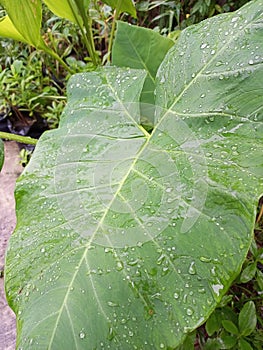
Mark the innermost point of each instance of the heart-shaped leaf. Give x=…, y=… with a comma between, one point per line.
x=129, y=50
x=128, y=240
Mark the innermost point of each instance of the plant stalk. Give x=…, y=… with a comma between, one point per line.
x=59, y=59
x=115, y=17
x=87, y=36
x=18, y=138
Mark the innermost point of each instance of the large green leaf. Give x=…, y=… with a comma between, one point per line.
x=1, y=154
x=137, y=47
x=21, y=14
x=126, y=240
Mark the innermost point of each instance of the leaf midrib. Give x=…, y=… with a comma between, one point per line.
x=141, y=60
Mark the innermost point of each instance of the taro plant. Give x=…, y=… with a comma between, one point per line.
x=128, y=237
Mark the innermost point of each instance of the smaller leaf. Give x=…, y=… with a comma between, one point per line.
x=140, y=48
x=247, y=319
x=259, y=278
x=212, y=344
x=244, y=345
x=259, y=255
x=230, y=327
x=225, y=300
x=1, y=154
x=227, y=313
x=227, y=341
x=17, y=67
x=248, y=273
x=253, y=248
x=213, y=324
x=189, y=342
x=122, y=6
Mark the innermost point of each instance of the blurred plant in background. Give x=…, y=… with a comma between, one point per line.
x=168, y=16
x=33, y=83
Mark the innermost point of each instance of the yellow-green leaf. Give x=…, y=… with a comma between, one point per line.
x=8, y=30
x=26, y=17
x=62, y=9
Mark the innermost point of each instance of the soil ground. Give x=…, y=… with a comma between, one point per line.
x=11, y=170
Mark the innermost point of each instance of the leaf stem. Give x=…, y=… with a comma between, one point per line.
x=88, y=35
x=59, y=59
x=260, y=214
x=18, y=138
x=115, y=16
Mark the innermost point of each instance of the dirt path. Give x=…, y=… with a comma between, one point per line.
x=8, y=176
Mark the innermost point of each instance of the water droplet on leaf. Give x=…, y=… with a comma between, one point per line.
x=189, y=311
x=176, y=295
x=192, y=268
x=82, y=335
x=119, y=266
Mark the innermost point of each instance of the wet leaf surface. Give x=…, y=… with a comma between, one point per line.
x=128, y=240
